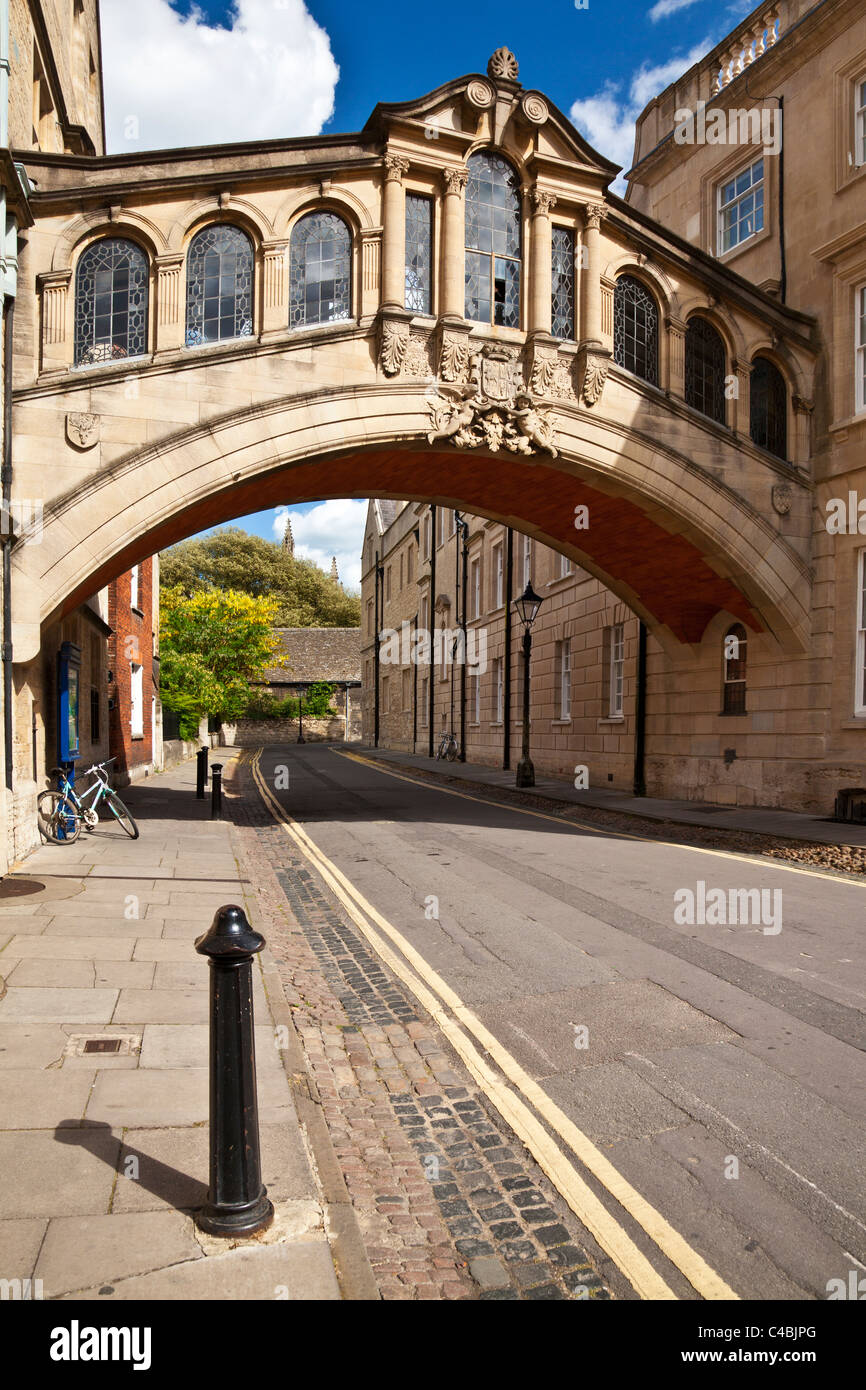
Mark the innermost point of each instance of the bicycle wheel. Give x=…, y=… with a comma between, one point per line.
x=58, y=819
x=452, y=750
x=120, y=813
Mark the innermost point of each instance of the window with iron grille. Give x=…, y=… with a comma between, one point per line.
x=321, y=270
x=705, y=369
x=636, y=329
x=111, y=297
x=493, y=242
x=219, y=286
x=419, y=253
x=562, y=302
x=768, y=408
x=734, y=657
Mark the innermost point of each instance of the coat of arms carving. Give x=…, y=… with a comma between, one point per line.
x=492, y=410
x=82, y=429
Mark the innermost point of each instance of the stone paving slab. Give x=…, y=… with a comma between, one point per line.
x=48, y=1005
x=78, y=1250
x=31, y=1100
x=302, y=1271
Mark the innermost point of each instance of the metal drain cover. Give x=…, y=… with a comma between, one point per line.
x=115, y=1044
x=19, y=887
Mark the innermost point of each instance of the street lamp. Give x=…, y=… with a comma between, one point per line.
x=302, y=690
x=527, y=607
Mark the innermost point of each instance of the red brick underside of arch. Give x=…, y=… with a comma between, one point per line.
x=669, y=573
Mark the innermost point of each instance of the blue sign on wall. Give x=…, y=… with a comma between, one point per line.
x=68, y=704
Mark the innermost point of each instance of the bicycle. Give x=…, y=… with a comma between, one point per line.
x=448, y=747
x=62, y=813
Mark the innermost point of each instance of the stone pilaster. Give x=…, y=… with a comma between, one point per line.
x=800, y=447
x=170, y=317
x=739, y=418
x=57, y=320
x=676, y=354
x=275, y=297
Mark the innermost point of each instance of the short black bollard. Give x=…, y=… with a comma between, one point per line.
x=237, y=1200
x=216, y=791
x=201, y=773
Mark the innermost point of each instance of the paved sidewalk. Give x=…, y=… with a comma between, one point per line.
x=103, y=1156
x=749, y=819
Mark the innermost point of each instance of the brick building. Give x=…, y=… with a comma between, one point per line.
x=135, y=713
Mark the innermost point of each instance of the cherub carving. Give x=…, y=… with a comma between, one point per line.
x=456, y=416
x=533, y=429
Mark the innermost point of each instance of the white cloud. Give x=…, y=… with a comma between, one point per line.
x=663, y=8
x=327, y=529
x=175, y=80
x=607, y=119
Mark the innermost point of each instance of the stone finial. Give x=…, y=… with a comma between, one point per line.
x=334, y=572
x=288, y=539
x=503, y=65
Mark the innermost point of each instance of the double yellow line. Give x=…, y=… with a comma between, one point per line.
x=449, y=1013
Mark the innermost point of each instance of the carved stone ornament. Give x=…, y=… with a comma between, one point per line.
x=455, y=180
x=594, y=376
x=503, y=65
x=550, y=376
x=535, y=109
x=593, y=213
x=480, y=94
x=491, y=411
x=82, y=430
x=454, y=358
x=543, y=201
x=401, y=350
x=783, y=498
x=396, y=165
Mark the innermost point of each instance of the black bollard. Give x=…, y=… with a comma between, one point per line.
x=237, y=1200
x=216, y=791
x=201, y=773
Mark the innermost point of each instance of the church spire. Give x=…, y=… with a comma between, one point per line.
x=334, y=575
x=288, y=539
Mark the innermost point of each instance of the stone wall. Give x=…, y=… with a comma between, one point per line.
x=253, y=733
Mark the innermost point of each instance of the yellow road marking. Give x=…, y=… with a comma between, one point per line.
x=596, y=830
x=607, y=1231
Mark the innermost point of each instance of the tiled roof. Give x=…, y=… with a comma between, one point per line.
x=317, y=654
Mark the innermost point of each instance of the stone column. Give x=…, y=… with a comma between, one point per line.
x=394, y=234
x=57, y=348
x=170, y=314
x=676, y=382
x=453, y=244
x=591, y=331
x=275, y=299
x=540, y=310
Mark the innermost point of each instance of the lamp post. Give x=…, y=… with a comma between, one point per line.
x=527, y=607
x=302, y=690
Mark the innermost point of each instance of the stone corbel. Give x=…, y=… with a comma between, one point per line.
x=593, y=366
x=393, y=341
x=454, y=355
x=548, y=374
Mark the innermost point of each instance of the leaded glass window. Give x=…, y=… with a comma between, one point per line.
x=111, y=291
x=419, y=253
x=768, y=408
x=321, y=270
x=219, y=286
x=562, y=305
x=705, y=369
x=493, y=242
x=636, y=329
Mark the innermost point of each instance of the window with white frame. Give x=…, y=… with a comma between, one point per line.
x=563, y=667
x=860, y=121
x=860, y=691
x=498, y=690
x=424, y=700
x=527, y=561
x=616, y=664
x=476, y=693
x=136, y=701
x=475, y=589
x=133, y=586
x=498, y=595
x=860, y=349
x=741, y=207
x=564, y=566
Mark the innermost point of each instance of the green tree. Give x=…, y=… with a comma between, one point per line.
x=231, y=559
x=213, y=643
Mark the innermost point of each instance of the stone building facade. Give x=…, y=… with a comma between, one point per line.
x=759, y=728
x=132, y=689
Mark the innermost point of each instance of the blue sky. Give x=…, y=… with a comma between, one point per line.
x=228, y=70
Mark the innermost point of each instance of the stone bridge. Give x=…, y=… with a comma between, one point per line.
x=449, y=306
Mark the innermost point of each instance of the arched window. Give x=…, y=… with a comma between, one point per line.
x=635, y=329
x=219, y=286
x=493, y=242
x=321, y=270
x=111, y=290
x=768, y=408
x=705, y=369
x=734, y=660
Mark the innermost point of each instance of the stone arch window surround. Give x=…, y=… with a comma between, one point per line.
x=220, y=285
x=493, y=241
x=322, y=269
x=705, y=368
x=636, y=328
x=769, y=398
x=111, y=301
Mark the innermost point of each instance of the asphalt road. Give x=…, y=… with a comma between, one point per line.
x=723, y=1070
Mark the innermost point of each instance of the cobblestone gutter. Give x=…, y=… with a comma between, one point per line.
x=450, y=1204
